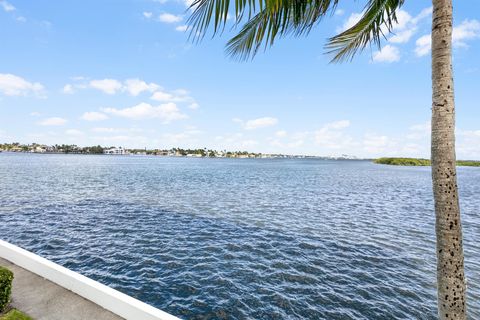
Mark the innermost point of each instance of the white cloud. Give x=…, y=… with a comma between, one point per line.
x=467, y=30
x=34, y=114
x=193, y=106
x=181, y=92
x=388, y=53
x=467, y=144
x=407, y=25
x=6, y=6
x=12, y=85
x=331, y=135
x=68, y=89
x=402, y=36
x=137, y=86
x=403, y=19
x=259, y=123
x=94, y=116
x=169, y=18
x=54, y=121
x=21, y=19
x=162, y=96
x=182, y=28
x=350, y=22
x=376, y=143
x=339, y=12
x=425, y=13
x=147, y=14
x=423, y=45
x=166, y=112
x=109, y=86
x=179, y=95
x=133, y=86
x=384, y=146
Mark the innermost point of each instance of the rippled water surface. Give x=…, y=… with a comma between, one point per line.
x=236, y=239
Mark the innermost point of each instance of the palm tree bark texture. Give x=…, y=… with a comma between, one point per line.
x=450, y=261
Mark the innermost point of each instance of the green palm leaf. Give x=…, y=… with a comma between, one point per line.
x=269, y=19
x=377, y=14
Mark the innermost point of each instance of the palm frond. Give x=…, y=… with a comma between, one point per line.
x=247, y=42
x=266, y=20
x=368, y=30
x=269, y=19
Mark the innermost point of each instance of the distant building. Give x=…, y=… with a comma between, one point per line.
x=36, y=148
x=116, y=151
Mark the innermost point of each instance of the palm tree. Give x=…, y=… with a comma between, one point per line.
x=265, y=20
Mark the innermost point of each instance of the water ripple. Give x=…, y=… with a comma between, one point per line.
x=233, y=239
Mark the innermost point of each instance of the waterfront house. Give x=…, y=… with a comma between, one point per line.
x=116, y=151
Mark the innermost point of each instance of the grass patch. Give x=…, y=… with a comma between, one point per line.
x=420, y=162
x=14, y=314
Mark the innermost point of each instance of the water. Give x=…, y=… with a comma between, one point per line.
x=236, y=239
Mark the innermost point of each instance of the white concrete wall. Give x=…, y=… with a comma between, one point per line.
x=110, y=299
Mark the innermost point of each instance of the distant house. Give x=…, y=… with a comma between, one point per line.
x=115, y=150
x=39, y=149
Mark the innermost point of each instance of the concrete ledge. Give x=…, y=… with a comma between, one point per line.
x=104, y=296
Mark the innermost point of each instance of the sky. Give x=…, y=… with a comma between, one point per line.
x=125, y=73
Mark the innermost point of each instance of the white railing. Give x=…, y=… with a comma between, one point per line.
x=106, y=297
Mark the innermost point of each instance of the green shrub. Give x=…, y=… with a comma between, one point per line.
x=403, y=161
x=6, y=278
x=468, y=163
x=420, y=162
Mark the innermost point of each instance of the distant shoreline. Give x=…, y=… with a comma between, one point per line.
x=263, y=156
x=172, y=152
x=419, y=162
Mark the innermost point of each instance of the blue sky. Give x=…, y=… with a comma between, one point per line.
x=124, y=73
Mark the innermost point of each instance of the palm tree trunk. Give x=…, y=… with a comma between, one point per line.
x=450, y=271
